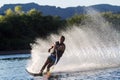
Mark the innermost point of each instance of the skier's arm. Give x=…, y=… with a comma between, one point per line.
x=50, y=48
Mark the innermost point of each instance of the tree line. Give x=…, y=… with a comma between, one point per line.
x=18, y=28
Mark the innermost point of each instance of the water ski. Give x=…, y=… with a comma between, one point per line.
x=34, y=74
x=45, y=76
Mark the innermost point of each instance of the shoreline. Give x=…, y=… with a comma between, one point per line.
x=15, y=52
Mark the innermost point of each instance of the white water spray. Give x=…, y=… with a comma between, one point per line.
x=90, y=46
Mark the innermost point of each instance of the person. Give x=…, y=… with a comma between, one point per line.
x=56, y=54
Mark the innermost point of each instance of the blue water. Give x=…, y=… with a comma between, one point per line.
x=12, y=67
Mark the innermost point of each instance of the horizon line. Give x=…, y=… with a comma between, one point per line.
x=56, y=6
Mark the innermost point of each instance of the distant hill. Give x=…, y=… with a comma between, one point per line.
x=63, y=12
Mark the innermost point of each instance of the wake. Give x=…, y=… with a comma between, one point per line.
x=94, y=45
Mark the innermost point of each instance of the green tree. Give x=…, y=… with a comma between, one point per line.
x=18, y=9
x=76, y=19
x=9, y=12
x=34, y=12
x=1, y=18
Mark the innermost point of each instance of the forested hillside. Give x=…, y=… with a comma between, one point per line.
x=18, y=28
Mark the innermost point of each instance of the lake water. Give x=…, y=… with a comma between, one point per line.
x=12, y=67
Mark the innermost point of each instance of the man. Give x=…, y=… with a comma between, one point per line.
x=58, y=50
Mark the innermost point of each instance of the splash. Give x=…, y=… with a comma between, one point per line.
x=91, y=46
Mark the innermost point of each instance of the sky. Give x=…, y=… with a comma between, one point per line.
x=63, y=3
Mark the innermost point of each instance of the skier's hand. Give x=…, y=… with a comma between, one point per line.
x=49, y=50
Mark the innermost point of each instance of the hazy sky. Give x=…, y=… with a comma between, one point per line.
x=63, y=3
